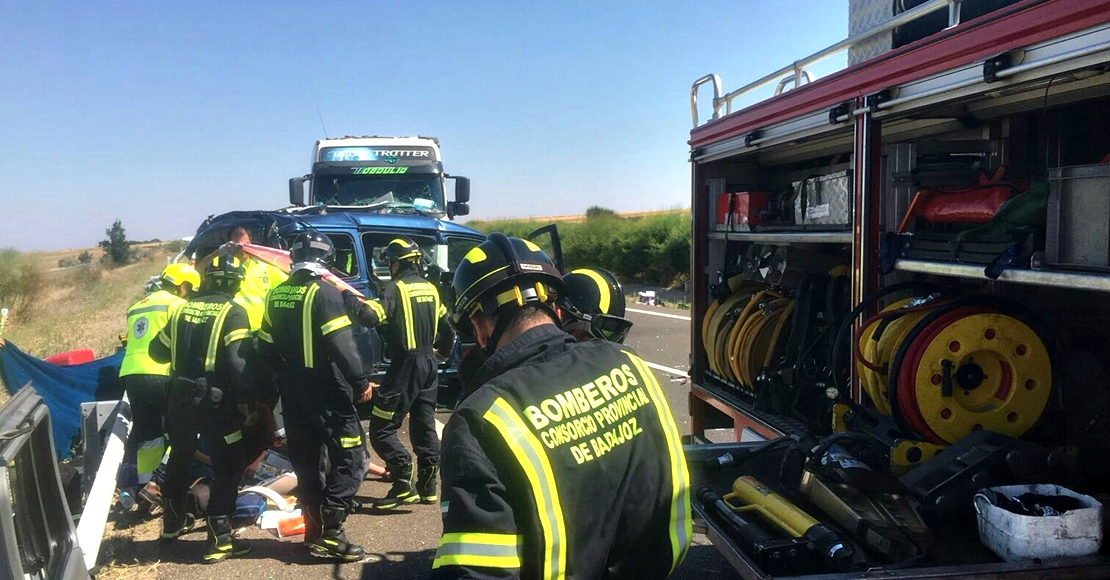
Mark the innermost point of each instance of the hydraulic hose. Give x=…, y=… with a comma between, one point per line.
x=846, y=325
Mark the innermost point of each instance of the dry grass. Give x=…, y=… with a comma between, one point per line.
x=81, y=307
x=129, y=550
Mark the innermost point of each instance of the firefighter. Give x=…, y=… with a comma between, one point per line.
x=143, y=379
x=415, y=323
x=307, y=337
x=594, y=306
x=207, y=343
x=562, y=458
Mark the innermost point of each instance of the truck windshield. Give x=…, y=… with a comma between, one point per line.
x=366, y=189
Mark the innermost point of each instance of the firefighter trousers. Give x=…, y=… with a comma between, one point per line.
x=409, y=388
x=219, y=431
x=324, y=426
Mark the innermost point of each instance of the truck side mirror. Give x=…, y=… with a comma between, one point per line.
x=455, y=208
x=462, y=189
x=296, y=189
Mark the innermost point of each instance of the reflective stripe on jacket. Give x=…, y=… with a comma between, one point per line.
x=564, y=462
x=145, y=319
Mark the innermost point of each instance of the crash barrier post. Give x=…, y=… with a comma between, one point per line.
x=90, y=530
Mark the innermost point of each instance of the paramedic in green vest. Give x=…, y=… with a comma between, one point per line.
x=144, y=379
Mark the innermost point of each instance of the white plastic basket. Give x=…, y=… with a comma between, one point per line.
x=1015, y=537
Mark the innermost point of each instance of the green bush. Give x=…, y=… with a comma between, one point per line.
x=652, y=249
x=67, y=262
x=21, y=283
x=174, y=246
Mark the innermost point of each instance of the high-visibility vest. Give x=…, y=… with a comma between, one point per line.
x=258, y=280
x=144, y=320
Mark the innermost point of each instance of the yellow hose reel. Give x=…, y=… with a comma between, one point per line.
x=944, y=370
x=740, y=333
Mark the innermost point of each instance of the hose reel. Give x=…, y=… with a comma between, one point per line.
x=945, y=368
x=740, y=333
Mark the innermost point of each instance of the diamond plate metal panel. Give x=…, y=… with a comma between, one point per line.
x=864, y=15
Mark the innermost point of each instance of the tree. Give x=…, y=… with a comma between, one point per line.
x=84, y=257
x=117, y=250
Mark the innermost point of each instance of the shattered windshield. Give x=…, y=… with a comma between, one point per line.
x=411, y=192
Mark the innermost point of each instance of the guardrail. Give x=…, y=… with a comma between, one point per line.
x=797, y=72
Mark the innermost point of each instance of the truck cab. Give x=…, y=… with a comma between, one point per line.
x=397, y=174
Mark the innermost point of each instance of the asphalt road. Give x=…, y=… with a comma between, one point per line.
x=402, y=544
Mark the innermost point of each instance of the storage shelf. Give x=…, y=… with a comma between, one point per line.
x=785, y=237
x=1053, y=278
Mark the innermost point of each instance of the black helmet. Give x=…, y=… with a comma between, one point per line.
x=401, y=250
x=225, y=271
x=595, y=291
x=504, y=272
x=594, y=307
x=312, y=247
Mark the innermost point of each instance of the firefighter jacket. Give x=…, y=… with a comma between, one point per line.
x=258, y=280
x=563, y=462
x=409, y=314
x=207, y=338
x=307, y=336
x=145, y=319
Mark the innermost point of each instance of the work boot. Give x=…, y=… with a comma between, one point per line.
x=401, y=492
x=176, y=520
x=332, y=541
x=426, y=483
x=221, y=544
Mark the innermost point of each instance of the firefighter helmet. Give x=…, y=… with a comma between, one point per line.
x=312, y=247
x=180, y=273
x=225, y=271
x=594, y=307
x=504, y=272
x=401, y=250
x=595, y=291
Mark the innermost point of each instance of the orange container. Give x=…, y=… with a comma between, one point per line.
x=291, y=526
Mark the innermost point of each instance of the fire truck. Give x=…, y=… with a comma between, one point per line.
x=900, y=279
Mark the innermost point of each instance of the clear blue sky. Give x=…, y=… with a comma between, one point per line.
x=160, y=114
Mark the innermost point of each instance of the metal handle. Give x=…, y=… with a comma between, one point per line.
x=795, y=78
x=716, y=96
x=978, y=502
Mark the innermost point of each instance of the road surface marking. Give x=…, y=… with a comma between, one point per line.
x=678, y=316
x=666, y=369
x=439, y=430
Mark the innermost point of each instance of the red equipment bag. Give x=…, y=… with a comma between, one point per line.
x=965, y=205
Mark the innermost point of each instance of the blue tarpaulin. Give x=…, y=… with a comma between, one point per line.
x=63, y=388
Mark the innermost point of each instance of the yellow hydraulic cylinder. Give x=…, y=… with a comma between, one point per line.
x=755, y=497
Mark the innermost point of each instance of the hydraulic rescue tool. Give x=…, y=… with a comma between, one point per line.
x=777, y=556
x=870, y=505
x=749, y=495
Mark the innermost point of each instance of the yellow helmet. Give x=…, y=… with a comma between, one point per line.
x=179, y=273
